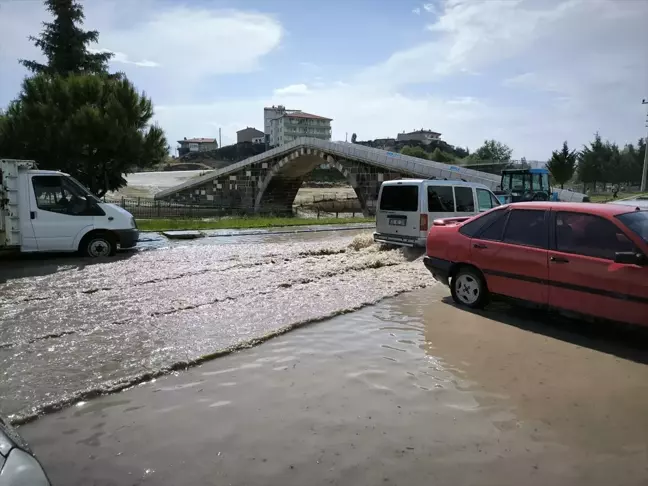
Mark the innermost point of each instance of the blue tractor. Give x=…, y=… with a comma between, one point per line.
x=524, y=185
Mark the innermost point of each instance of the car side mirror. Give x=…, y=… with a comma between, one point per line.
x=629, y=258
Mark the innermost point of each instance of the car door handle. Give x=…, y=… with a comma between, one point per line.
x=32, y=214
x=556, y=259
x=480, y=246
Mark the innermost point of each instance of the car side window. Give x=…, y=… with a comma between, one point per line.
x=55, y=194
x=485, y=200
x=440, y=199
x=464, y=199
x=495, y=230
x=480, y=222
x=589, y=235
x=527, y=227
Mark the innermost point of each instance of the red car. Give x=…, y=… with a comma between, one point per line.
x=591, y=259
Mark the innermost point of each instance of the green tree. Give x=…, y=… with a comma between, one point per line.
x=592, y=161
x=65, y=44
x=414, y=152
x=493, y=151
x=562, y=164
x=439, y=156
x=94, y=127
x=633, y=158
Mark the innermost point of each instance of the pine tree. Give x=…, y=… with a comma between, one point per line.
x=65, y=43
x=591, y=161
x=562, y=164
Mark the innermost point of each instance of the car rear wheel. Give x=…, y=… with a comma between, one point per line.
x=469, y=288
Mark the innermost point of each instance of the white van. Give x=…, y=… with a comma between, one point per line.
x=46, y=210
x=407, y=207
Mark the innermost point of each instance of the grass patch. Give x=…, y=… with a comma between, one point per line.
x=239, y=223
x=607, y=197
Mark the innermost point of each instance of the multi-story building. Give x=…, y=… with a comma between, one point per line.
x=250, y=134
x=283, y=126
x=425, y=136
x=196, y=145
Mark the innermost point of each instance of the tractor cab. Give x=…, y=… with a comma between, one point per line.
x=524, y=185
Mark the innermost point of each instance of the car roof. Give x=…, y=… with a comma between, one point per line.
x=435, y=182
x=591, y=208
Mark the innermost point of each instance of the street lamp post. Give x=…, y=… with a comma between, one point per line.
x=644, y=173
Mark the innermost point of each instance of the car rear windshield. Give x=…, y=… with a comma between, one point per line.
x=399, y=198
x=637, y=221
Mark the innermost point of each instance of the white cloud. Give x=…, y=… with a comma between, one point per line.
x=186, y=45
x=293, y=89
x=416, y=11
x=120, y=57
x=430, y=8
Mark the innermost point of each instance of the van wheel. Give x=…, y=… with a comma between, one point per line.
x=98, y=245
x=468, y=288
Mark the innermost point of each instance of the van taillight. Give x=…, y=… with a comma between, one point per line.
x=423, y=222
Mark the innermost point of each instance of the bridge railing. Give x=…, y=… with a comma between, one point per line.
x=321, y=205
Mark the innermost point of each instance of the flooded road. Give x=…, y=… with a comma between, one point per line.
x=410, y=391
x=70, y=329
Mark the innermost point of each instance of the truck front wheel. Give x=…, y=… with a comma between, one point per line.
x=97, y=245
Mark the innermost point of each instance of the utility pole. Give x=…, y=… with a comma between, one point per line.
x=220, y=140
x=644, y=174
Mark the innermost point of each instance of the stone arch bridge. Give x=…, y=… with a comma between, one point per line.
x=269, y=182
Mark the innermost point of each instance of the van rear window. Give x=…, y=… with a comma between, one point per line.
x=440, y=199
x=399, y=198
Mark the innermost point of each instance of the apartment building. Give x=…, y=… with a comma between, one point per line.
x=283, y=126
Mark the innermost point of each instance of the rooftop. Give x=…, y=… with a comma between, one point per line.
x=301, y=114
x=421, y=131
x=197, y=140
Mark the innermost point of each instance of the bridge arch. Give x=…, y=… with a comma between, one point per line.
x=279, y=187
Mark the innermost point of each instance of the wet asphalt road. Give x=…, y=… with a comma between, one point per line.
x=410, y=391
x=72, y=328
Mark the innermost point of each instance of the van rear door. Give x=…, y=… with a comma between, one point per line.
x=398, y=210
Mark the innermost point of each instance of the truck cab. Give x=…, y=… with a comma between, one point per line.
x=50, y=211
x=524, y=185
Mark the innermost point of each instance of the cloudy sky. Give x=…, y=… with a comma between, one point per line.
x=530, y=73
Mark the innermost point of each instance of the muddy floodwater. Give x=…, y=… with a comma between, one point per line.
x=71, y=328
x=411, y=391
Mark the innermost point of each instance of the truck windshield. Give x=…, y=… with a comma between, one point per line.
x=86, y=192
x=540, y=182
x=637, y=221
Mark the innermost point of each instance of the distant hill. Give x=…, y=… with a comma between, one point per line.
x=396, y=146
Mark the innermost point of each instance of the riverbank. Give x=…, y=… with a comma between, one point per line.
x=241, y=223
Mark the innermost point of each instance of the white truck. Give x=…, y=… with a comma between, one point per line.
x=50, y=211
